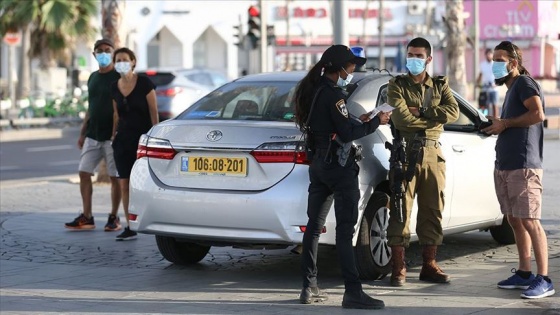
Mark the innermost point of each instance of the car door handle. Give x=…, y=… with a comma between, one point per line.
x=458, y=148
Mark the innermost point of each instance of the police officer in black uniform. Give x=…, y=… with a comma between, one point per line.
x=322, y=114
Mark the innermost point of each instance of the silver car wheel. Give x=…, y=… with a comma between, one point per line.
x=380, y=250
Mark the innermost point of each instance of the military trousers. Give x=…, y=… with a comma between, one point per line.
x=428, y=186
x=330, y=181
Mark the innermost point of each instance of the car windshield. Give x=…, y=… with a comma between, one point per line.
x=264, y=101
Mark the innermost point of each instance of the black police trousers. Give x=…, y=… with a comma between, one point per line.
x=331, y=181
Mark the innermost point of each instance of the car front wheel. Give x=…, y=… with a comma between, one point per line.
x=373, y=255
x=181, y=253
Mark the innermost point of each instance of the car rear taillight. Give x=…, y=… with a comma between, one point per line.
x=280, y=152
x=169, y=92
x=154, y=148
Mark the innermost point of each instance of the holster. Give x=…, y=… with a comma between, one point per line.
x=309, y=146
x=415, y=156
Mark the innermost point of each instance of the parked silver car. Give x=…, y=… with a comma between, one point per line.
x=174, y=92
x=230, y=171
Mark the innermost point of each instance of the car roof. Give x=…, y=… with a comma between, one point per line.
x=291, y=76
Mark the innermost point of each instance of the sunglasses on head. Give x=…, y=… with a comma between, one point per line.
x=509, y=44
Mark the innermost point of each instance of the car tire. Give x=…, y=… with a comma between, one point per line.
x=373, y=255
x=181, y=253
x=503, y=233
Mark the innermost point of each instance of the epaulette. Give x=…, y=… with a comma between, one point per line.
x=440, y=79
x=398, y=78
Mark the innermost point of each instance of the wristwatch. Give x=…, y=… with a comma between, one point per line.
x=422, y=111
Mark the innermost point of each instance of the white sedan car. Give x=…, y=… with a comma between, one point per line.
x=230, y=171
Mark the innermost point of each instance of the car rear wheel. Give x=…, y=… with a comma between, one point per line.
x=373, y=255
x=503, y=233
x=181, y=253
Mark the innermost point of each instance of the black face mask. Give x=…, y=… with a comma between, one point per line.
x=502, y=81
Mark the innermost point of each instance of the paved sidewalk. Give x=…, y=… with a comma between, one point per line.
x=46, y=269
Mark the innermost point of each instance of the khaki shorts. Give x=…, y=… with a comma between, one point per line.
x=520, y=192
x=92, y=153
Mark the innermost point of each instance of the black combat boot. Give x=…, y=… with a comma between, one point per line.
x=358, y=299
x=312, y=294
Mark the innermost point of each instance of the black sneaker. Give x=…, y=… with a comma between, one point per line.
x=113, y=223
x=360, y=300
x=81, y=223
x=312, y=294
x=126, y=235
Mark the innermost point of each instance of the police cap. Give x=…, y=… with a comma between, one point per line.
x=338, y=55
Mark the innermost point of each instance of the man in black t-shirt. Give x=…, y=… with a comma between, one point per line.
x=95, y=139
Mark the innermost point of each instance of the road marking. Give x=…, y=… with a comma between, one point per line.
x=60, y=163
x=9, y=168
x=50, y=148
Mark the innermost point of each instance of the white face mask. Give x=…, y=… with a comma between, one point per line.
x=123, y=67
x=341, y=82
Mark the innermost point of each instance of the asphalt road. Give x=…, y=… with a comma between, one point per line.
x=40, y=158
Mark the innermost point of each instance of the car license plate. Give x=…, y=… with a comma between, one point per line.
x=217, y=166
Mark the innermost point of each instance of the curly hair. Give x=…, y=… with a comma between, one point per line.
x=514, y=53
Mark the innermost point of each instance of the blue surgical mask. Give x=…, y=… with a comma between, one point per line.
x=341, y=82
x=104, y=59
x=123, y=67
x=499, y=69
x=415, y=65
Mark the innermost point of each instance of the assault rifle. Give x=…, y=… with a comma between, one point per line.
x=396, y=172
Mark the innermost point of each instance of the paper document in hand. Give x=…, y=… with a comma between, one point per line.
x=386, y=108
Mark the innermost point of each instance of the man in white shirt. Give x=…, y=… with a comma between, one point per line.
x=488, y=97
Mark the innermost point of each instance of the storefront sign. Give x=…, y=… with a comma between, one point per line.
x=504, y=19
x=281, y=13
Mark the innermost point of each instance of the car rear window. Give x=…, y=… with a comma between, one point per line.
x=159, y=78
x=264, y=101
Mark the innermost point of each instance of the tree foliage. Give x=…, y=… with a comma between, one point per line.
x=55, y=25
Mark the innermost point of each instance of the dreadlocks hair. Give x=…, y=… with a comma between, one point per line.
x=513, y=53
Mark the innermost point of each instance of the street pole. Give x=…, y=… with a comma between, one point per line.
x=264, y=40
x=364, y=28
x=476, y=52
x=12, y=75
x=381, y=36
x=288, y=66
x=339, y=26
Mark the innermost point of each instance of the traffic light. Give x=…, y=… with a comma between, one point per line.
x=254, y=24
x=270, y=35
x=238, y=34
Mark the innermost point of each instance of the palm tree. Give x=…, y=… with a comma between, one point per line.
x=54, y=26
x=456, y=45
x=111, y=16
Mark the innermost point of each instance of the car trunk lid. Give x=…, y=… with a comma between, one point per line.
x=231, y=155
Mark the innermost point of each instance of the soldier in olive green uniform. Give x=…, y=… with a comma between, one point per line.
x=422, y=106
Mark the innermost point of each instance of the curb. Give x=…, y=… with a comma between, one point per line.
x=36, y=133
